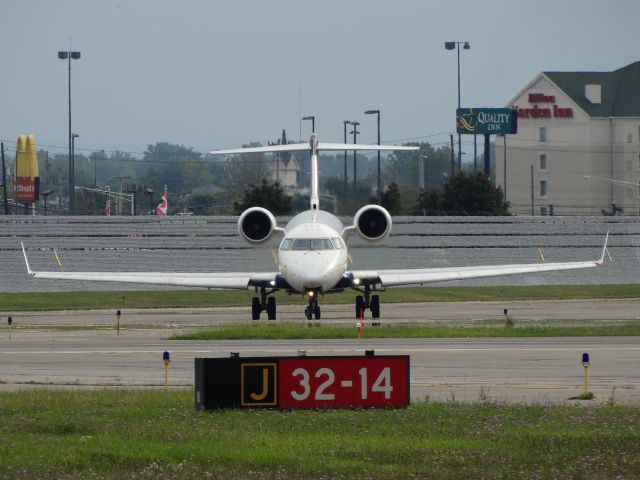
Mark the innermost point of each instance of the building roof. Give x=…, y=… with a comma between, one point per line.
x=620, y=90
x=285, y=157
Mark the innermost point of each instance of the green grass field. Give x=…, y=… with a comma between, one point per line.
x=15, y=302
x=302, y=331
x=158, y=435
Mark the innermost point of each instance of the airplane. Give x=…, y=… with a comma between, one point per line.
x=312, y=256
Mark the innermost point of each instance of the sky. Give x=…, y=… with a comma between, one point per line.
x=218, y=74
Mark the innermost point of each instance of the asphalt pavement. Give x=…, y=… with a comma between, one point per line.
x=82, y=350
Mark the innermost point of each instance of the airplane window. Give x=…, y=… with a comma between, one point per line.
x=301, y=244
x=338, y=244
x=286, y=244
x=312, y=244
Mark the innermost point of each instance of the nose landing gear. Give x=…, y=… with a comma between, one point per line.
x=313, y=309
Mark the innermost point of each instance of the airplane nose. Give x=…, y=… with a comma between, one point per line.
x=314, y=277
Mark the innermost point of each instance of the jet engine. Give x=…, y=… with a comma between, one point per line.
x=256, y=225
x=372, y=223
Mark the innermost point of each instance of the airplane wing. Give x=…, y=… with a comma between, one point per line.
x=411, y=276
x=234, y=280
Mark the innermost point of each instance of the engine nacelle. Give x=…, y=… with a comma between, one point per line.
x=256, y=225
x=372, y=223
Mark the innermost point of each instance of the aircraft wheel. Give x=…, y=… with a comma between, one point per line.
x=375, y=306
x=271, y=308
x=255, y=308
x=307, y=313
x=359, y=305
x=316, y=312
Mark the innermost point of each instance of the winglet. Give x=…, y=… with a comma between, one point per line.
x=600, y=261
x=24, y=252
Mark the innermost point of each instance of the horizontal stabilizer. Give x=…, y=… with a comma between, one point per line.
x=296, y=147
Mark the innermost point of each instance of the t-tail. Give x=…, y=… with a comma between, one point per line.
x=314, y=146
x=315, y=195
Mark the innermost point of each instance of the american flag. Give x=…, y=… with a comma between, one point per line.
x=161, y=208
x=107, y=207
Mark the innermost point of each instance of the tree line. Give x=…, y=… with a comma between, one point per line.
x=203, y=185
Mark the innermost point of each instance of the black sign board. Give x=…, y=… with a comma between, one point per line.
x=302, y=382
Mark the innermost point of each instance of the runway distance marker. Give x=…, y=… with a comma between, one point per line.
x=303, y=382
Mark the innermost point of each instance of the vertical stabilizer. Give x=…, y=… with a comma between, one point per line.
x=315, y=197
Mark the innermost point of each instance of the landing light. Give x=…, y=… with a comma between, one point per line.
x=311, y=293
x=356, y=281
x=273, y=283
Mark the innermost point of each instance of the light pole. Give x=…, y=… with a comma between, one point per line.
x=421, y=159
x=377, y=112
x=69, y=55
x=344, y=125
x=72, y=176
x=46, y=194
x=313, y=122
x=456, y=46
x=355, y=175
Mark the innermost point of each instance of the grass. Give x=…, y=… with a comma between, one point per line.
x=157, y=435
x=41, y=301
x=279, y=331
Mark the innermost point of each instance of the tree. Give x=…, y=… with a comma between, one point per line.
x=464, y=195
x=429, y=203
x=403, y=166
x=179, y=168
x=391, y=199
x=266, y=195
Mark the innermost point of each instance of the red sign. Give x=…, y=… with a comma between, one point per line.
x=339, y=382
x=25, y=189
x=544, y=112
x=541, y=98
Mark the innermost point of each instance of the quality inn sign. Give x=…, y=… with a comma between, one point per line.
x=486, y=121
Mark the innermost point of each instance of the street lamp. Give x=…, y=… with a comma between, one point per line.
x=313, y=122
x=377, y=112
x=45, y=194
x=150, y=192
x=354, y=132
x=344, y=125
x=421, y=159
x=456, y=46
x=69, y=55
x=72, y=176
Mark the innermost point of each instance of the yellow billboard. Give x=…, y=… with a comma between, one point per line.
x=26, y=179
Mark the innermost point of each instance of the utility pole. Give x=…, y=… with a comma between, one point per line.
x=4, y=182
x=453, y=156
x=119, y=209
x=355, y=174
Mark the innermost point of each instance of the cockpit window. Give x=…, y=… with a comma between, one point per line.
x=306, y=244
x=286, y=244
x=338, y=244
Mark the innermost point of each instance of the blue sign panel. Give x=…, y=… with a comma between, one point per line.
x=487, y=121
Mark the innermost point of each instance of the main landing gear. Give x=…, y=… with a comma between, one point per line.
x=368, y=301
x=263, y=303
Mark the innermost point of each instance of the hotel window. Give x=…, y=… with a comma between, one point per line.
x=543, y=188
x=543, y=134
x=543, y=161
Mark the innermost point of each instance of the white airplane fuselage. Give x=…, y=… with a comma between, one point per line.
x=313, y=255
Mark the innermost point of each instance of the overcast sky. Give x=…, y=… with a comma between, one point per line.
x=209, y=74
